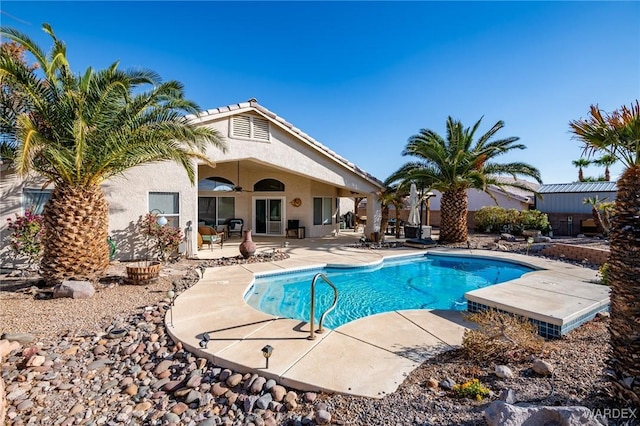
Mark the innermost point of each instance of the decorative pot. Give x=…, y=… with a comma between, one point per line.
x=247, y=246
x=143, y=272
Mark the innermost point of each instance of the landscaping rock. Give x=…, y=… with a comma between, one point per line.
x=74, y=290
x=542, y=367
x=500, y=413
x=503, y=372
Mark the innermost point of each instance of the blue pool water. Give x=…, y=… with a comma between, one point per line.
x=423, y=282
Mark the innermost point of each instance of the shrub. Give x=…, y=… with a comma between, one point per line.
x=603, y=271
x=500, y=337
x=534, y=219
x=490, y=219
x=496, y=219
x=165, y=239
x=473, y=389
x=25, y=237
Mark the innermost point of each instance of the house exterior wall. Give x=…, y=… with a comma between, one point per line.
x=128, y=198
x=306, y=168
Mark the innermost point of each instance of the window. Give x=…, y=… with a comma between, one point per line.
x=166, y=204
x=215, y=183
x=250, y=127
x=35, y=199
x=268, y=185
x=216, y=210
x=322, y=211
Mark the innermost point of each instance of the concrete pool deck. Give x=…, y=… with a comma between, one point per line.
x=368, y=357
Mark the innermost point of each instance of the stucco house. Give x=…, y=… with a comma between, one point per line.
x=272, y=172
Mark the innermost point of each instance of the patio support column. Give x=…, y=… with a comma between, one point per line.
x=374, y=215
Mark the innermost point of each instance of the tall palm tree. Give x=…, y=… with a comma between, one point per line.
x=456, y=164
x=606, y=160
x=80, y=130
x=618, y=134
x=580, y=163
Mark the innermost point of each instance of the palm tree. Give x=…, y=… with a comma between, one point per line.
x=606, y=161
x=392, y=195
x=454, y=165
x=80, y=130
x=580, y=163
x=596, y=205
x=618, y=134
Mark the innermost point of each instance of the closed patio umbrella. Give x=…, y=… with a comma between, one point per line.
x=414, y=215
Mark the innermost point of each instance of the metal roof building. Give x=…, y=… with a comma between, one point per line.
x=569, y=197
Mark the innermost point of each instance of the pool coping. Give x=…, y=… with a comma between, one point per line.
x=387, y=346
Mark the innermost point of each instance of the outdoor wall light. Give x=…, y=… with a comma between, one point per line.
x=161, y=220
x=204, y=341
x=266, y=352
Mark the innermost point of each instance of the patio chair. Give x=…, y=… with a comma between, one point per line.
x=210, y=236
x=235, y=226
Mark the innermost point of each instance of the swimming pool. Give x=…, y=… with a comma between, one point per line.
x=417, y=282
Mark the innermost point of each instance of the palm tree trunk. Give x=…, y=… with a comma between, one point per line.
x=624, y=269
x=453, y=210
x=76, y=228
x=597, y=219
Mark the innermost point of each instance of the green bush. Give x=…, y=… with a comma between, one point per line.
x=534, y=219
x=495, y=219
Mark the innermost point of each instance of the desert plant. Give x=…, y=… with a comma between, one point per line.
x=163, y=239
x=500, y=337
x=603, y=271
x=25, y=237
x=473, y=389
x=618, y=134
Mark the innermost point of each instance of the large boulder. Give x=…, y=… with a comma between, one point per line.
x=74, y=290
x=500, y=413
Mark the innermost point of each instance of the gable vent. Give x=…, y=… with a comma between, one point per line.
x=250, y=127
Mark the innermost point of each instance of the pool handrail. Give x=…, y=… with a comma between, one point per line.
x=320, y=330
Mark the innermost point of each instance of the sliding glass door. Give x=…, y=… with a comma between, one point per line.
x=268, y=216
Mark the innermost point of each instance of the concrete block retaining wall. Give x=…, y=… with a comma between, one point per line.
x=593, y=255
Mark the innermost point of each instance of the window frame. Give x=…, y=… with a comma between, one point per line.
x=217, y=208
x=173, y=219
x=324, y=219
x=38, y=209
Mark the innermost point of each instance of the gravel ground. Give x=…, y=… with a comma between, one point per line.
x=579, y=358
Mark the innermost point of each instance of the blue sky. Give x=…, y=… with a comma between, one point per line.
x=362, y=77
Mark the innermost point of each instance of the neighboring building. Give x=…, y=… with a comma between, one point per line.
x=564, y=203
x=271, y=172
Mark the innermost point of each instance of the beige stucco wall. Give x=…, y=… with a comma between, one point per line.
x=306, y=170
x=128, y=197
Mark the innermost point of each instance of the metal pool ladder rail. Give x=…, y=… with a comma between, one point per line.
x=313, y=304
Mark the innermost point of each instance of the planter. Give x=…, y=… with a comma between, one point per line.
x=143, y=272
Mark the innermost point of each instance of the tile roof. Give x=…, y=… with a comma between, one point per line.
x=578, y=187
x=253, y=104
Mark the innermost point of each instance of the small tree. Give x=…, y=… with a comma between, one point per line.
x=164, y=240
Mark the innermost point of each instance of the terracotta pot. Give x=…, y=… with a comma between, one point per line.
x=247, y=246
